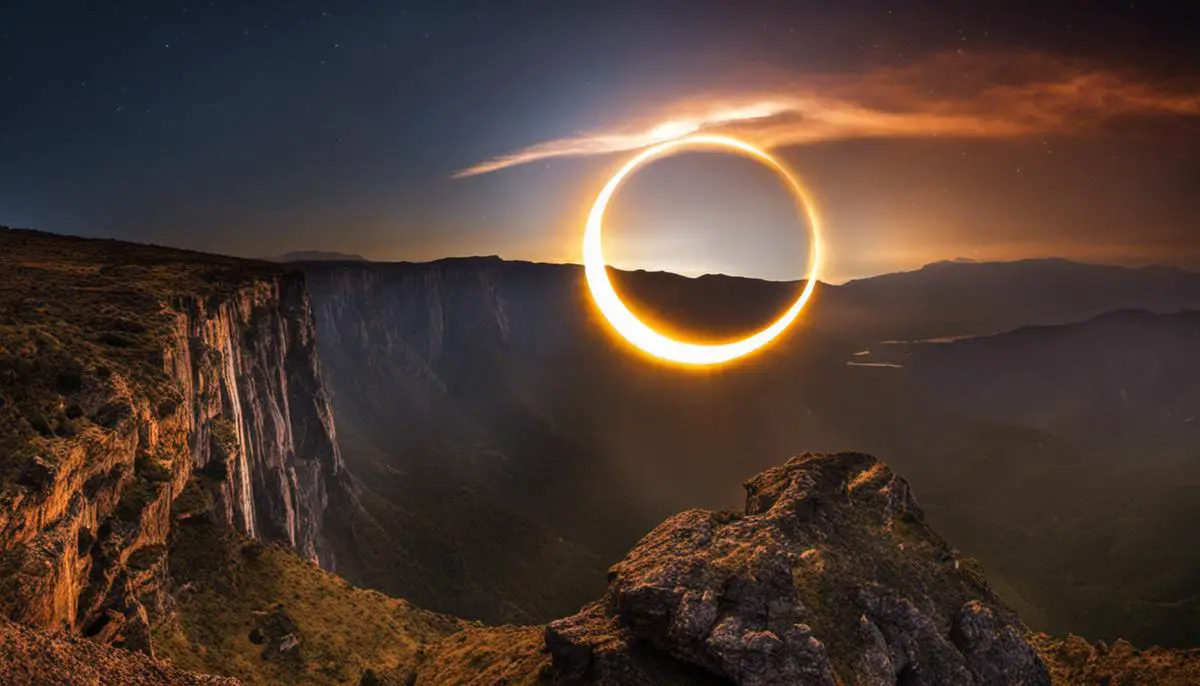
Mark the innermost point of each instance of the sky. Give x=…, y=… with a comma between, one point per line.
x=417, y=130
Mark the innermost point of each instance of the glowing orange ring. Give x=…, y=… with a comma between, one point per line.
x=633, y=329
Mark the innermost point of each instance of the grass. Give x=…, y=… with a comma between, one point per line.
x=82, y=320
x=239, y=600
x=510, y=655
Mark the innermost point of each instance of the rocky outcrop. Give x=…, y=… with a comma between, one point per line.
x=143, y=386
x=29, y=657
x=829, y=576
x=1075, y=661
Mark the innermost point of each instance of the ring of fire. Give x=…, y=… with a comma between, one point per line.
x=626, y=323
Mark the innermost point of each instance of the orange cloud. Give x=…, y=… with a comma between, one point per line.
x=950, y=95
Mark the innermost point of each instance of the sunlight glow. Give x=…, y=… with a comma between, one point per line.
x=673, y=129
x=638, y=333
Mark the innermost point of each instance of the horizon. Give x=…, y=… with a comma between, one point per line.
x=350, y=257
x=624, y=342
x=414, y=131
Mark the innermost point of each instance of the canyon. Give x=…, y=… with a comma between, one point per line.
x=205, y=462
x=479, y=385
x=142, y=382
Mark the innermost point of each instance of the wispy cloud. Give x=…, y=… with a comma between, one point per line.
x=951, y=95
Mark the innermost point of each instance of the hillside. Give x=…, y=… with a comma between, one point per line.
x=29, y=656
x=1122, y=388
x=263, y=615
x=828, y=575
x=129, y=376
x=173, y=485
x=961, y=299
x=1119, y=383
x=480, y=385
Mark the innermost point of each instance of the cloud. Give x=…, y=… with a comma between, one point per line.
x=954, y=95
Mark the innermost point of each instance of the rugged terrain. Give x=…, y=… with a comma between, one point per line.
x=259, y=613
x=30, y=656
x=173, y=495
x=1123, y=389
x=478, y=385
x=828, y=575
x=135, y=382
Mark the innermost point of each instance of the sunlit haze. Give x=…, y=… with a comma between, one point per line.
x=410, y=131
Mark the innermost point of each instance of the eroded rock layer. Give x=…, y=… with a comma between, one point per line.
x=137, y=383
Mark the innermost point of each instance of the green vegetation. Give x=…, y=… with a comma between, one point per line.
x=511, y=655
x=223, y=435
x=139, y=493
x=263, y=615
x=190, y=501
x=145, y=558
x=150, y=468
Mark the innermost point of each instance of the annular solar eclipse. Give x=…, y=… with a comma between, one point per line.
x=642, y=336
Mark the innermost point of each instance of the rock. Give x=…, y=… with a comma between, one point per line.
x=30, y=657
x=997, y=653
x=108, y=627
x=592, y=647
x=136, y=633
x=277, y=633
x=36, y=473
x=288, y=642
x=1075, y=661
x=111, y=414
x=830, y=577
x=178, y=360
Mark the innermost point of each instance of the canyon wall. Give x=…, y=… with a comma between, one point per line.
x=439, y=379
x=209, y=402
x=256, y=411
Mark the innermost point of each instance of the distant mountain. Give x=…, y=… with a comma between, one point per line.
x=1122, y=388
x=956, y=260
x=954, y=299
x=316, y=256
x=1123, y=382
x=169, y=482
x=482, y=385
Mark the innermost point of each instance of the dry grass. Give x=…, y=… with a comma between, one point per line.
x=511, y=655
x=230, y=587
x=78, y=316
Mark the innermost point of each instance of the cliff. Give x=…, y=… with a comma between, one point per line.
x=489, y=414
x=829, y=575
x=443, y=422
x=140, y=386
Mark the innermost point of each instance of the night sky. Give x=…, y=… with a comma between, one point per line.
x=417, y=130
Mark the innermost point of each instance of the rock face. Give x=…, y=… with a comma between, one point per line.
x=443, y=420
x=829, y=576
x=134, y=379
x=256, y=410
x=493, y=380
x=29, y=657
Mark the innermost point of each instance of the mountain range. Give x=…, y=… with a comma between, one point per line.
x=506, y=389
x=198, y=452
